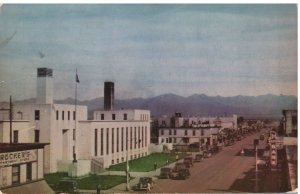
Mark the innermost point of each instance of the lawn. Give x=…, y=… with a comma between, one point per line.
x=89, y=183
x=146, y=164
x=106, y=181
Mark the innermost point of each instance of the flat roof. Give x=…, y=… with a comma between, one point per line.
x=7, y=147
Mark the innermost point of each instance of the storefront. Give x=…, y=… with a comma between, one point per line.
x=21, y=163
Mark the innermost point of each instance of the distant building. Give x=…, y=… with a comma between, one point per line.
x=204, y=130
x=290, y=123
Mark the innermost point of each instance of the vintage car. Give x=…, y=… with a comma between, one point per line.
x=143, y=184
x=188, y=161
x=182, y=173
x=165, y=173
x=198, y=157
x=66, y=186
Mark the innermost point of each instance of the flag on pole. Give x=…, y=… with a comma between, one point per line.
x=77, y=78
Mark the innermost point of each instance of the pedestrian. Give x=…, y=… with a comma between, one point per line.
x=148, y=187
x=167, y=162
x=98, y=189
x=155, y=166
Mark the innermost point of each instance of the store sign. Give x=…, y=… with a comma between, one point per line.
x=10, y=158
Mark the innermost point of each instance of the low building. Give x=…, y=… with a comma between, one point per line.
x=21, y=163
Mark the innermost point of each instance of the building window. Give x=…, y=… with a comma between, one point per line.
x=113, y=116
x=122, y=139
x=134, y=137
x=57, y=115
x=142, y=137
x=16, y=136
x=126, y=140
x=68, y=115
x=107, y=141
x=74, y=115
x=175, y=140
x=170, y=132
x=102, y=116
x=101, y=141
x=202, y=132
x=73, y=150
x=96, y=141
x=112, y=161
x=112, y=141
x=36, y=115
x=130, y=140
x=36, y=136
x=118, y=161
x=139, y=137
x=185, y=132
x=16, y=174
x=125, y=116
x=175, y=132
x=117, y=139
x=162, y=132
x=74, y=134
x=146, y=142
x=194, y=132
x=63, y=115
x=29, y=171
x=170, y=139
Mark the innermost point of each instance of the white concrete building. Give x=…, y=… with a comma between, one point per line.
x=204, y=130
x=71, y=136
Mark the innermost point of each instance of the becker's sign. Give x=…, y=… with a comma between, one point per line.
x=10, y=158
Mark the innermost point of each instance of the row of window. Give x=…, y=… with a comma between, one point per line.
x=131, y=158
x=64, y=116
x=185, y=132
x=16, y=136
x=120, y=139
x=113, y=116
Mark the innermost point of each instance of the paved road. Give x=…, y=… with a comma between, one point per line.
x=215, y=174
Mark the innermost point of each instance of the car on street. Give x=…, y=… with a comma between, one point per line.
x=188, y=161
x=182, y=173
x=143, y=184
x=198, y=157
x=165, y=173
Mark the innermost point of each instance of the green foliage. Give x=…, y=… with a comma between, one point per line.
x=53, y=178
x=106, y=181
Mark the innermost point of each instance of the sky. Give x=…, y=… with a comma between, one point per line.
x=149, y=49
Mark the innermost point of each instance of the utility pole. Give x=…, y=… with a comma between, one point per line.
x=10, y=120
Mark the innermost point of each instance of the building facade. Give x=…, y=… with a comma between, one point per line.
x=20, y=164
x=74, y=142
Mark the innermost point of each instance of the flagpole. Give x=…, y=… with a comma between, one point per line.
x=74, y=154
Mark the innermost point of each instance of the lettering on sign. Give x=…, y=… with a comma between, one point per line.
x=10, y=158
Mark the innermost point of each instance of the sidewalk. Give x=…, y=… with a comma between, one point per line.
x=121, y=188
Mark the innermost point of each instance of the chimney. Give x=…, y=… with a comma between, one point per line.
x=44, y=93
x=109, y=96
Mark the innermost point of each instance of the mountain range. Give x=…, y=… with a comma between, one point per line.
x=269, y=105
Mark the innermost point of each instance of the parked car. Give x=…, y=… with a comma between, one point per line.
x=143, y=184
x=198, y=157
x=66, y=186
x=165, y=173
x=182, y=173
x=188, y=161
x=178, y=165
x=206, y=154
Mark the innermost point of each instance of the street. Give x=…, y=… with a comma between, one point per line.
x=215, y=174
